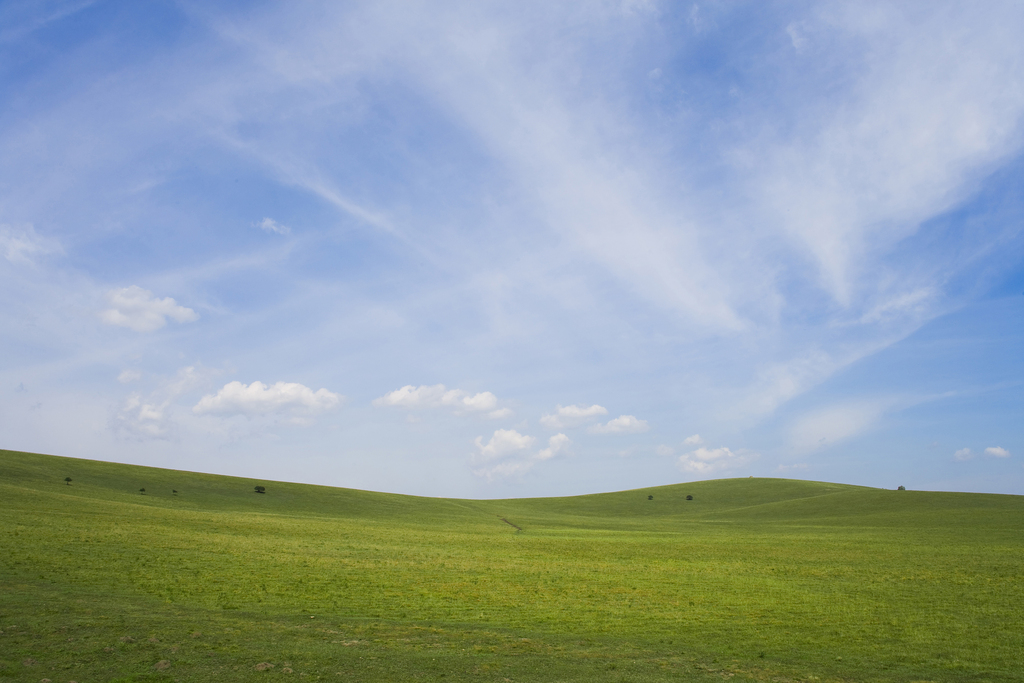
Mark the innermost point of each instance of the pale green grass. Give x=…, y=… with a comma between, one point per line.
x=754, y=578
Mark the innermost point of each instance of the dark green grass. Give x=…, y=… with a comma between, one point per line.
x=765, y=579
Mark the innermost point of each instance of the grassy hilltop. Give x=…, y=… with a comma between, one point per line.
x=763, y=579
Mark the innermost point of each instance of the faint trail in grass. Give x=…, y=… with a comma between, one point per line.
x=510, y=523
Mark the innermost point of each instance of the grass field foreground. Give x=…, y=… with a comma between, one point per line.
x=762, y=579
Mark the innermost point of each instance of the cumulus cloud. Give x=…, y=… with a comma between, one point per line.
x=510, y=453
x=692, y=440
x=992, y=451
x=707, y=460
x=623, y=424
x=142, y=419
x=137, y=309
x=21, y=245
x=503, y=442
x=256, y=399
x=571, y=416
x=270, y=225
x=438, y=396
x=556, y=444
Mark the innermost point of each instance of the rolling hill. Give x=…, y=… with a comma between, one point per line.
x=756, y=578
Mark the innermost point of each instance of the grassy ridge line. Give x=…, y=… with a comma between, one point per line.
x=212, y=492
x=762, y=500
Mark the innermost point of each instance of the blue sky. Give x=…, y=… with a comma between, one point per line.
x=516, y=249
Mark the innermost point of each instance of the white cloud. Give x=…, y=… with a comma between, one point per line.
x=556, y=444
x=665, y=450
x=437, y=396
x=19, y=246
x=270, y=225
x=128, y=376
x=413, y=397
x=142, y=419
x=571, y=416
x=509, y=453
x=150, y=417
x=137, y=309
x=692, y=440
x=623, y=424
x=963, y=454
x=258, y=398
x=484, y=401
x=993, y=451
x=706, y=460
x=504, y=442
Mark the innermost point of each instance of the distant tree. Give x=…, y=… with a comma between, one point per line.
x=67, y=480
x=142, y=491
x=689, y=498
x=650, y=497
x=901, y=488
x=260, y=489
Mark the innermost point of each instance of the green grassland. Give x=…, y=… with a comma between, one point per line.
x=754, y=579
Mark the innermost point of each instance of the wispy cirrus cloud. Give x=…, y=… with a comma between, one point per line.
x=23, y=245
x=830, y=425
x=152, y=416
x=566, y=199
